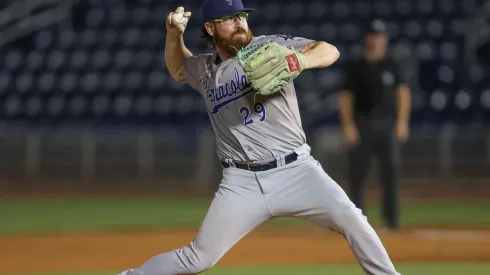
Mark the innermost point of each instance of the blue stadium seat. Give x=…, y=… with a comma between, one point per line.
x=156, y=82
x=44, y=40
x=362, y=9
x=273, y=12
x=484, y=101
x=382, y=9
x=317, y=10
x=87, y=39
x=100, y=105
x=12, y=106
x=55, y=60
x=328, y=32
x=143, y=105
x=425, y=8
x=24, y=83
x=68, y=82
x=13, y=61
x=46, y=82
x=112, y=81
x=78, y=105
x=140, y=16
x=294, y=12
x=6, y=80
x=402, y=8
x=90, y=82
x=163, y=105
x=133, y=80
x=55, y=106
x=412, y=29
x=34, y=62
x=350, y=32
x=100, y=60
x=96, y=18
x=435, y=28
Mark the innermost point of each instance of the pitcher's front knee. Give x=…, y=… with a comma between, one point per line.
x=349, y=216
x=194, y=260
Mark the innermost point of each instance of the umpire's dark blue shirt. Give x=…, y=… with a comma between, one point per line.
x=373, y=85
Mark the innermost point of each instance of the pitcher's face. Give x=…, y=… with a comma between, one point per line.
x=231, y=33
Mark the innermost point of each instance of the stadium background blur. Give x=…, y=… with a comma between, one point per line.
x=85, y=94
x=88, y=107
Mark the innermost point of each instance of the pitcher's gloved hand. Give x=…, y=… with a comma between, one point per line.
x=269, y=66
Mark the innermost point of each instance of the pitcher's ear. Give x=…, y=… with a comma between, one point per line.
x=209, y=28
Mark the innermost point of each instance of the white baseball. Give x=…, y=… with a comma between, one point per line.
x=180, y=17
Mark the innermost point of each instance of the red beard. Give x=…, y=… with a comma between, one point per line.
x=233, y=44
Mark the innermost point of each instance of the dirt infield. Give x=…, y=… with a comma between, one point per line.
x=115, y=251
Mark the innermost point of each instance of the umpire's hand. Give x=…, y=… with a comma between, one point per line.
x=351, y=135
x=401, y=131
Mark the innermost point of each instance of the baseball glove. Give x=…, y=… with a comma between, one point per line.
x=270, y=66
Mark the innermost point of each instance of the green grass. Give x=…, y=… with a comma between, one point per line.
x=51, y=215
x=405, y=269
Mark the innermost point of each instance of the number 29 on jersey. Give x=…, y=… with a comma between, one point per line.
x=251, y=116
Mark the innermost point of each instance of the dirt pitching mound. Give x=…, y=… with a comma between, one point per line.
x=121, y=250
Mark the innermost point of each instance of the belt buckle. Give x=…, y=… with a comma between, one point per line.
x=250, y=165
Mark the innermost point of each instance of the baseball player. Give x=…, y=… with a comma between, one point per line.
x=247, y=84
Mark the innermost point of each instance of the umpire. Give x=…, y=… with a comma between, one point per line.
x=374, y=116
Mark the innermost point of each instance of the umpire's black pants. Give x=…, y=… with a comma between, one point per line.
x=376, y=140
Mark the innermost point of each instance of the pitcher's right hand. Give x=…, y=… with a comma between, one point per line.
x=177, y=21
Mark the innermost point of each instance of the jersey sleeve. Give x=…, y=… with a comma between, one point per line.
x=298, y=43
x=349, y=82
x=193, y=70
x=400, y=75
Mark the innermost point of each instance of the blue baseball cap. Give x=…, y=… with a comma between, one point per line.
x=375, y=26
x=214, y=9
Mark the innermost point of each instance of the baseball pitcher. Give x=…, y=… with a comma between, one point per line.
x=247, y=84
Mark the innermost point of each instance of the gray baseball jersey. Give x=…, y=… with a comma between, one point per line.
x=248, y=127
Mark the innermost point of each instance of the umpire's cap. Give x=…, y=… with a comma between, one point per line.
x=375, y=26
x=213, y=9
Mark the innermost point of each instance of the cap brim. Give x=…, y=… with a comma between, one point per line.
x=226, y=14
x=374, y=31
x=237, y=11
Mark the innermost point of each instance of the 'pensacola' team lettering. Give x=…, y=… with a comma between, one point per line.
x=239, y=85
